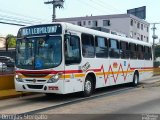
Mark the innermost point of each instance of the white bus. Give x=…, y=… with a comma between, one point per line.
x=63, y=58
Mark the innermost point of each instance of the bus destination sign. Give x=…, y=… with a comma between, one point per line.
x=40, y=30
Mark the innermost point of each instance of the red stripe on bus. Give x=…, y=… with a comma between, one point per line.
x=48, y=72
x=142, y=68
x=68, y=71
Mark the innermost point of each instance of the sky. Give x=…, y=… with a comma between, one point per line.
x=37, y=11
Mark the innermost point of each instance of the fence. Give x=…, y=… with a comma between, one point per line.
x=9, y=53
x=7, y=67
x=156, y=70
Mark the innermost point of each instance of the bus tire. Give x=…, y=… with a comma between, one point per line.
x=88, y=87
x=135, y=79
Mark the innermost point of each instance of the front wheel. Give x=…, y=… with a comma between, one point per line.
x=88, y=87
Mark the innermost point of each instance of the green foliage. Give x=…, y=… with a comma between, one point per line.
x=11, y=40
x=157, y=51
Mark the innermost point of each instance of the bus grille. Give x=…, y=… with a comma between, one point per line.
x=28, y=80
x=35, y=86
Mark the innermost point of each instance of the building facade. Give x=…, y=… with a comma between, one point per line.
x=2, y=42
x=121, y=24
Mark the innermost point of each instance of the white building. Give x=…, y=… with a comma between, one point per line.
x=123, y=24
x=2, y=42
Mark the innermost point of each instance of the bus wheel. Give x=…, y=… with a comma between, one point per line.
x=135, y=79
x=88, y=87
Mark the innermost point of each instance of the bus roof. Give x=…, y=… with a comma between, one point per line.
x=76, y=28
x=102, y=34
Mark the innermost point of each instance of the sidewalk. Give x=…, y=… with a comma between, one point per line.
x=152, y=79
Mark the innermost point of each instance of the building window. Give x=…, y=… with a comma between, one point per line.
x=138, y=25
x=138, y=36
x=147, y=39
x=84, y=23
x=101, y=47
x=141, y=26
x=106, y=22
x=79, y=23
x=95, y=23
x=88, y=50
x=89, y=22
x=147, y=29
x=142, y=37
x=131, y=22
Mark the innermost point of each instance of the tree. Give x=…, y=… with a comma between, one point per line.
x=10, y=41
x=157, y=51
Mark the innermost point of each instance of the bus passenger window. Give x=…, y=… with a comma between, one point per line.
x=140, y=52
x=88, y=49
x=124, y=50
x=150, y=53
x=133, y=51
x=101, y=47
x=147, y=53
x=113, y=48
x=72, y=49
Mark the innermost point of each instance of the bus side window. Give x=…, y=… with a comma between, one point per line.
x=133, y=50
x=114, y=48
x=88, y=49
x=124, y=50
x=140, y=52
x=72, y=49
x=101, y=47
x=150, y=53
x=147, y=54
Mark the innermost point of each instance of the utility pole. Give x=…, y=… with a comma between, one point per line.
x=154, y=36
x=55, y=3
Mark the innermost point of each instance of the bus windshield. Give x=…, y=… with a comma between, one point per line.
x=39, y=52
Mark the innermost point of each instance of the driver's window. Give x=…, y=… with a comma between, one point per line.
x=72, y=49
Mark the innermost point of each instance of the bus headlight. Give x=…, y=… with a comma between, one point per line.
x=55, y=78
x=17, y=77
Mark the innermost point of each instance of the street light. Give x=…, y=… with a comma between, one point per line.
x=154, y=36
x=55, y=3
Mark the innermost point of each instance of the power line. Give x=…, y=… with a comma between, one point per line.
x=15, y=20
x=21, y=15
x=111, y=7
x=12, y=23
x=88, y=5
